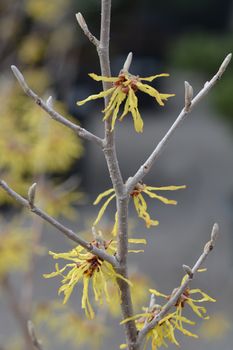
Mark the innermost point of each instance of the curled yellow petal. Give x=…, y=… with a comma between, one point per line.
x=102, y=195
x=149, y=90
x=157, y=293
x=161, y=198
x=153, y=77
x=102, y=209
x=96, y=96
x=135, y=317
x=120, y=98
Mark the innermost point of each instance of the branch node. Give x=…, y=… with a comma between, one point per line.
x=188, y=95
x=188, y=270
x=31, y=195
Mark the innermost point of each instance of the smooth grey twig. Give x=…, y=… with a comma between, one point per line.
x=172, y=301
x=81, y=132
x=84, y=27
x=63, y=229
x=145, y=168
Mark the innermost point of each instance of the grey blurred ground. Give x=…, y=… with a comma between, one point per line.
x=200, y=156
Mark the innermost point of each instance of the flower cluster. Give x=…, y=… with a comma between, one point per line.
x=90, y=269
x=186, y=299
x=165, y=328
x=139, y=202
x=124, y=88
x=164, y=331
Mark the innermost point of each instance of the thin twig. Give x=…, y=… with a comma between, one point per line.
x=81, y=132
x=145, y=168
x=63, y=229
x=84, y=27
x=172, y=301
x=31, y=330
x=15, y=304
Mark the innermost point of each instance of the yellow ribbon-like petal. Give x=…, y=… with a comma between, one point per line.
x=102, y=209
x=96, y=96
x=102, y=195
x=165, y=188
x=153, y=77
x=102, y=78
x=157, y=293
x=162, y=199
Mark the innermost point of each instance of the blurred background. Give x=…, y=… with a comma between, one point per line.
x=187, y=40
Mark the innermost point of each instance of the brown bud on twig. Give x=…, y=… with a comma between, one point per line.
x=32, y=194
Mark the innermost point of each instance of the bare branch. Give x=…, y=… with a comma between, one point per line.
x=172, y=301
x=84, y=27
x=145, y=168
x=63, y=229
x=81, y=132
x=31, y=330
x=109, y=149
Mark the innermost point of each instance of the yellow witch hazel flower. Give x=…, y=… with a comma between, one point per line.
x=164, y=331
x=187, y=299
x=91, y=270
x=124, y=88
x=139, y=201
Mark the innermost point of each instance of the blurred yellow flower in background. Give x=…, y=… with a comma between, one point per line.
x=63, y=322
x=16, y=246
